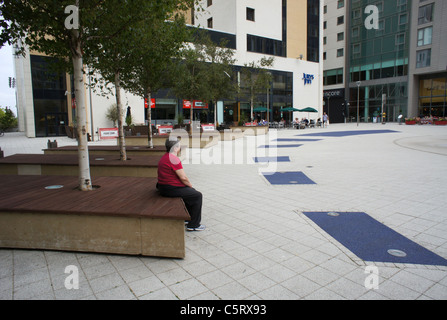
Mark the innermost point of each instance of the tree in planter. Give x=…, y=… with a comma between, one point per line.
x=217, y=78
x=159, y=45
x=255, y=79
x=44, y=26
x=112, y=114
x=191, y=74
x=123, y=42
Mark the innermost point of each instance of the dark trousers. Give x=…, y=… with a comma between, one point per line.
x=191, y=197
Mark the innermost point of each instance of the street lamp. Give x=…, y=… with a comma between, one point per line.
x=358, y=101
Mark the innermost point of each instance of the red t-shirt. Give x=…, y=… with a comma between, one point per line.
x=167, y=166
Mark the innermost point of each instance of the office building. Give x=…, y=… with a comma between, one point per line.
x=392, y=66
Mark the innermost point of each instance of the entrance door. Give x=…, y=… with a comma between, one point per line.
x=55, y=124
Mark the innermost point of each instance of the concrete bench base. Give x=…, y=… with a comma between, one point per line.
x=101, y=234
x=123, y=216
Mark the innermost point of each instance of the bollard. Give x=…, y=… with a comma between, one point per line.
x=52, y=145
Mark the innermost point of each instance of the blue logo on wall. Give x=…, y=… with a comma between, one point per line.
x=308, y=78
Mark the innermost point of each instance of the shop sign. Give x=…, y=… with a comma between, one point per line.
x=207, y=127
x=108, y=133
x=197, y=104
x=152, y=103
x=164, y=129
x=308, y=78
x=186, y=104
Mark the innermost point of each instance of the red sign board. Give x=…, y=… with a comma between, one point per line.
x=186, y=104
x=197, y=104
x=152, y=103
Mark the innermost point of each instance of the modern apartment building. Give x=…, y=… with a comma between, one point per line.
x=427, y=83
x=399, y=61
x=334, y=59
x=288, y=30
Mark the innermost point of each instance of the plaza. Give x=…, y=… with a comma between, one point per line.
x=259, y=243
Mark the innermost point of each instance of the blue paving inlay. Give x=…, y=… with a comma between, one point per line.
x=347, y=133
x=281, y=146
x=371, y=240
x=288, y=178
x=272, y=159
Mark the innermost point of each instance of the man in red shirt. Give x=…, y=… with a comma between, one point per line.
x=173, y=182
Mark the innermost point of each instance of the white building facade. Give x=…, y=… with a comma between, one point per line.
x=288, y=30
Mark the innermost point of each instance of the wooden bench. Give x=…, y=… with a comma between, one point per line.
x=121, y=216
x=67, y=164
x=110, y=150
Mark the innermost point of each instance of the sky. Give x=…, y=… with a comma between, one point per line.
x=7, y=95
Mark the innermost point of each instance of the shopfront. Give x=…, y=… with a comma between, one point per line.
x=433, y=96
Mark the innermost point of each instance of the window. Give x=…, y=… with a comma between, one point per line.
x=423, y=58
x=340, y=20
x=250, y=14
x=355, y=32
x=356, y=14
x=340, y=52
x=324, y=55
x=403, y=18
x=334, y=76
x=210, y=23
x=324, y=40
x=325, y=25
x=340, y=36
x=425, y=36
x=340, y=4
x=209, y=3
x=325, y=9
x=356, y=49
x=425, y=14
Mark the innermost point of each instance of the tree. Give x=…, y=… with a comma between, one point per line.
x=190, y=81
x=159, y=45
x=44, y=26
x=217, y=78
x=255, y=79
x=7, y=119
x=63, y=30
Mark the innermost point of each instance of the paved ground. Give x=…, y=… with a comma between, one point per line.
x=258, y=244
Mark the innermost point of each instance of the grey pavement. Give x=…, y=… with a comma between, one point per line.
x=258, y=244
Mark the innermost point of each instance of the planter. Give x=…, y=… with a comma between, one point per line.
x=410, y=122
x=441, y=123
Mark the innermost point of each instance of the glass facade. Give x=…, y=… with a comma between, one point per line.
x=379, y=59
x=50, y=102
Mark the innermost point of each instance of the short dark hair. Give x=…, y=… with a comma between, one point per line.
x=170, y=143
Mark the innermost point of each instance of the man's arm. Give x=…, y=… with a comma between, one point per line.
x=183, y=178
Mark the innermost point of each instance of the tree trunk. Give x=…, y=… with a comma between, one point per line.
x=150, y=142
x=119, y=106
x=85, y=183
